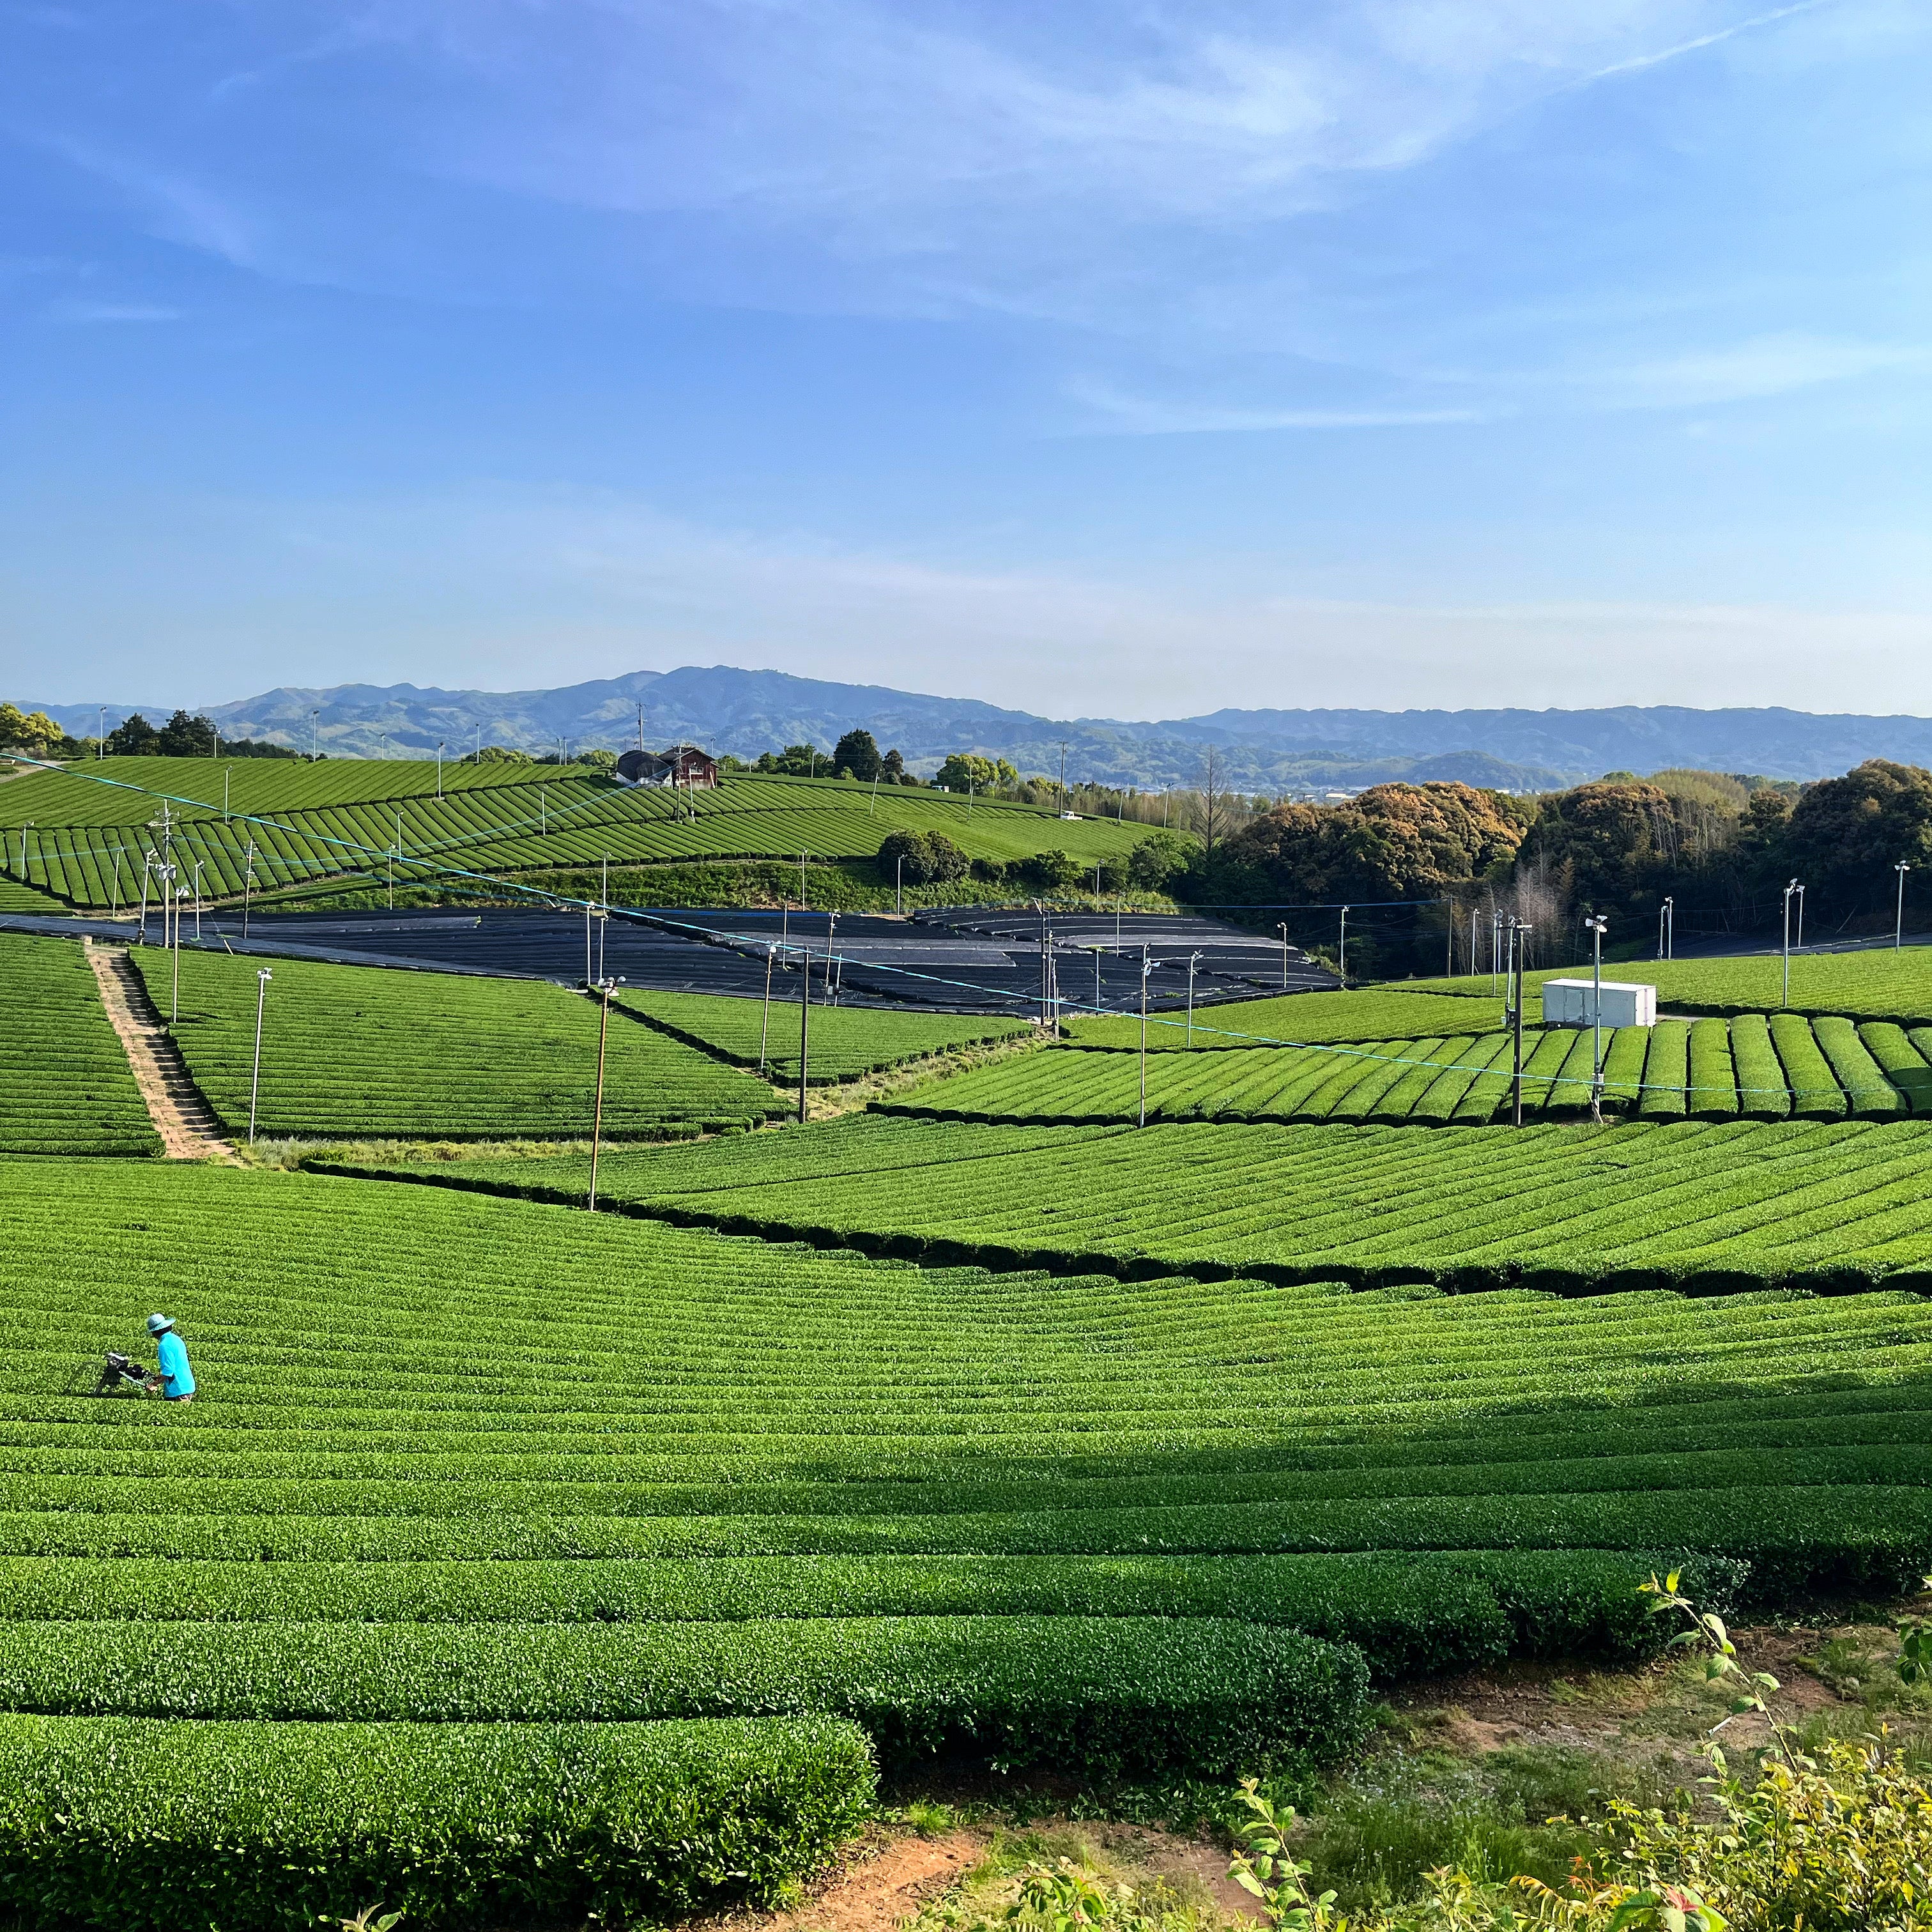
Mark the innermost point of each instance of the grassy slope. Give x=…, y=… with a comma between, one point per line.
x=846, y=1041
x=1880, y=984
x=1738, y=1204
x=331, y=818
x=65, y=1086
x=349, y=1051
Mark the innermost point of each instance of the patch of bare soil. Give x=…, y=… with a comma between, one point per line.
x=881, y=1881
x=1193, y=1867
x=1660, y=1709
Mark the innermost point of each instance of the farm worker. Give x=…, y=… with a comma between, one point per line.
x=176, y=1379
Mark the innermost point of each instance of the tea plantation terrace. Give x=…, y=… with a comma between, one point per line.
x=1767, y=1067
x=80, y=834
x=887, y=1442
x=1716, y=1209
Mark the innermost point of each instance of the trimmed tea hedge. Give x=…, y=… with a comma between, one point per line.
x=126, y=1823
x=1708, y=1069
x=1411, y=1616
x=847, y=1042
x=1100, y=1696
x=307, y=822
x=351, y=1052
x=1720, y=1206
x=65, y=1084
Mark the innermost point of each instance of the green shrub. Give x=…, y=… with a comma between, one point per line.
x=1867, y=1090
x=1666, y=1071
x=126, y=1823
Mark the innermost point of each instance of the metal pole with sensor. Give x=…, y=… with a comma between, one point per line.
x=1597, y=927
x=765, y=1030
x=262, y=980
x=1147, y=967
x=605, y=988
x=1519, y=935
x=804, y=1029
x=1283, y=929
x=1898, y=925
x=1785, y=998
x=1193, y=960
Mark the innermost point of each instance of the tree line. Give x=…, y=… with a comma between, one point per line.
x=182, y=736
x=1722, y=847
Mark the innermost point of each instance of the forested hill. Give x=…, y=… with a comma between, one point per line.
x=748, y=711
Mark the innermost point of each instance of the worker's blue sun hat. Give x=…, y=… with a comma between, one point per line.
x=158, y=1323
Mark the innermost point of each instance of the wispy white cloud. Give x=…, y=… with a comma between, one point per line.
x=1766, y=365
x=1115, y=412
x=176, y=206
x=969, y=161
x=1697, y=43
x=74, y=311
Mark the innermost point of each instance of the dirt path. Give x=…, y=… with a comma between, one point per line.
x=891, y=1876
x=880, y=1884
x=183, y=1118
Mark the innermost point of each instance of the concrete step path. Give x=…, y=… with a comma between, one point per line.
x=186, y=1122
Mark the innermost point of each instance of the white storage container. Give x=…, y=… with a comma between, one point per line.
x=1566, y=1002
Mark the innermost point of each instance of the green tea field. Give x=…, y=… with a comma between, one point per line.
x=457, y=1462
x=351, y=1052
x=846, y=1041
x=1880, y=984
x=1765, y=1067
x=83, y=841
x=514, y=1563
x=65, y=1085
x=1569, y=1208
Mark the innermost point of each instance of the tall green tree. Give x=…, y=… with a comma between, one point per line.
x=134, y=737
x=968, y=770
x=1395, y=841
x=185, y=737
x=1845, y=834
x=857, y=752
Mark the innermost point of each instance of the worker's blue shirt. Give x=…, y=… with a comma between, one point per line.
x=172, y=1353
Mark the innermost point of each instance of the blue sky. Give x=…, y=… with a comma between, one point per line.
x=1129, y=360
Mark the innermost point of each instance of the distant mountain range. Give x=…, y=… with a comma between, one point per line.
x=748, y=711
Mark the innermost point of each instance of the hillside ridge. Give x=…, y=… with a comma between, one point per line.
x=746, y=711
